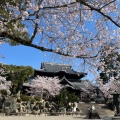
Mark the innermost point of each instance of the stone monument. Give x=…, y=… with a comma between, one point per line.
x=10, y=105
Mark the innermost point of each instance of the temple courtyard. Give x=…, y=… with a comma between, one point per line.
x=43, y=117
x=105, y=114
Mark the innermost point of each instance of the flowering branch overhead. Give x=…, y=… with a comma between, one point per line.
x=71, y=28
x=99, y=10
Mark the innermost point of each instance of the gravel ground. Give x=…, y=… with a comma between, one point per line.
x=43, y=117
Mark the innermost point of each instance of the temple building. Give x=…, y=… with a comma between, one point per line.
x=60, y=70
x=70, y=79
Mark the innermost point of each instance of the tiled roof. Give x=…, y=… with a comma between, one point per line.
x=84, y=85
x=53, y=67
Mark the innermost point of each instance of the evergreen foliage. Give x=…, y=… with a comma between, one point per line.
x=17, y=75
x=65, y=97
x=32, y=100
x=3, y=92
x=25, y=97
x=19, y=100
x=37, y=98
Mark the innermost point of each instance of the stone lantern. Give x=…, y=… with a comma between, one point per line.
x=116, y=101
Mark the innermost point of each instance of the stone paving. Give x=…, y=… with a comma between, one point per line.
x=106, y=117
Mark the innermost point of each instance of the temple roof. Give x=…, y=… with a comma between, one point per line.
x=82, y=85
x=52, y=67
x=76, y=84
x=56, y=68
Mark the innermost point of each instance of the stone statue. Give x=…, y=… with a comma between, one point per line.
x=18, y=94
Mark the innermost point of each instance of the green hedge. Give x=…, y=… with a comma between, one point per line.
x=19, y=100
x=37, y=98
x=3, y=92
x=25, y=98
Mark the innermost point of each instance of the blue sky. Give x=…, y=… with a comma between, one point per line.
x=21, y=55
x=27, y=56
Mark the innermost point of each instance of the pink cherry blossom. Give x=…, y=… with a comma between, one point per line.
x=45, y=85
x=4, y=85
x=70, y=28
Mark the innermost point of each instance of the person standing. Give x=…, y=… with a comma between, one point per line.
x=93, y=109
x=89, y=113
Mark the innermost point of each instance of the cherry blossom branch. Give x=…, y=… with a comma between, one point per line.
x=35, y=29
x=107, y=4
x=91, y=7
x=28, y=43
x=99, y=11
x=58, y=6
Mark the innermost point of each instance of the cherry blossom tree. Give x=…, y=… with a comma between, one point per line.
x=109, y=65
x=113, y=86
x=1, y=43
x=45, y=85
x=72, y=28
x=4, y=85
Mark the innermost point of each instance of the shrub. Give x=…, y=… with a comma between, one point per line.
x=37, y=98
x=66, y=96
x=25, y=98
x=72, y=97
x=1, y=111
x=3, y=92
x=47, y=104
x=32, y=100
x=19, y=100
